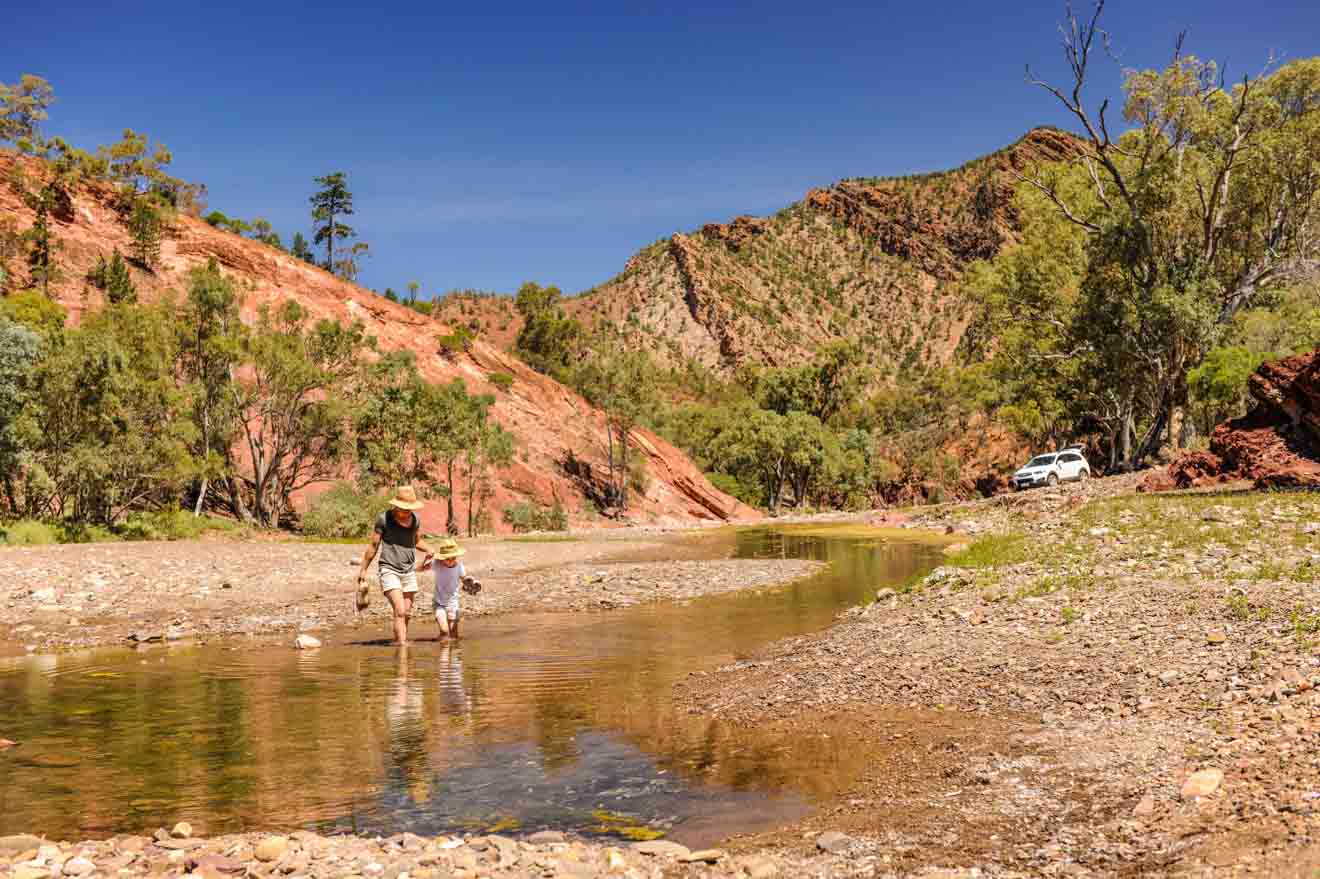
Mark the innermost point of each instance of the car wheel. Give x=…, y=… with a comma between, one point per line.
x=1052, y=480
x=1084, y=475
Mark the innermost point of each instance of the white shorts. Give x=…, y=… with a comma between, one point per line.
x=393, y=580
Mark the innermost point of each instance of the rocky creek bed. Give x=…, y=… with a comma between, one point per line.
x=1100, y=683
x=1149, y=662
x=86, y=595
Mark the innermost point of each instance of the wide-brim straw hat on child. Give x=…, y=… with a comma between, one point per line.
x=448, y=549
x=405, y=498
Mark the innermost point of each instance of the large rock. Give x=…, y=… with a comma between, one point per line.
x=1276, y=444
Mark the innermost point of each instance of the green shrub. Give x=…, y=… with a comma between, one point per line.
x=69, y=532
x=168, y=525
x=28, y=532
x=501, y=380
x=990, y=552
x=639, y=475
x=752, y=495
x=343, y=512
x=528, y=516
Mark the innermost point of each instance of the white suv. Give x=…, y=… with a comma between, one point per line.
x=1052, y=469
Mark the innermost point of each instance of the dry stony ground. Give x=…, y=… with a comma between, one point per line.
x=1143, y=669
x=72, y=596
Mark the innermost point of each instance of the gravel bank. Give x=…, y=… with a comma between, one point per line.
x=1154, y=659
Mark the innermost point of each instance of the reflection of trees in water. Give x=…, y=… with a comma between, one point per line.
x=277, y=737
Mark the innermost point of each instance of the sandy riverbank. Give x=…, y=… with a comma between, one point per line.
x=74, y=596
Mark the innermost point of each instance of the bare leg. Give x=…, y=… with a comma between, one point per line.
x=402, y=605
x=453, y=626
x=442, y=620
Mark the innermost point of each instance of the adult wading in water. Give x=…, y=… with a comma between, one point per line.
x=398, y=537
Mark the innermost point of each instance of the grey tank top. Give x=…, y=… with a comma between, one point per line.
x=398, y=545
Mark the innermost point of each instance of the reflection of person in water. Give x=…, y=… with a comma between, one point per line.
x=453, y=695
x=404, y=709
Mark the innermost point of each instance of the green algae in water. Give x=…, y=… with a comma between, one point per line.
x=504, y=825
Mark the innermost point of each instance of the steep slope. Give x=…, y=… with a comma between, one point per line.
x=553, y=425
x=865, y=259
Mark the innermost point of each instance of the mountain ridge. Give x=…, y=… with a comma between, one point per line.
x=870, y=259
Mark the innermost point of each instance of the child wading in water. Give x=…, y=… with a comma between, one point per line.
x=449, y=578
x=398, y=537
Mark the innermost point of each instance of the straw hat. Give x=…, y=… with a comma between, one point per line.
x=446, y=548
x=405, y=498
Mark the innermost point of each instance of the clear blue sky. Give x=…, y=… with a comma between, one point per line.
x=491, y=144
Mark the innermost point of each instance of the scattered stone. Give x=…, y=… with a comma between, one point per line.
x=1146, y=806
x=760, y=868
x=1202, y=783
x=661, y=847
x=183, y=830
x=545, y=837
x=21, y=842
x=217, y=863
x=272, y=848
x=26, y=871
x=886, y=594
x=6, y=744
x=833, y=841
x=43, y=596
x=1214, y=636
x=306, y=642
x=708, y=855
x=78, y=866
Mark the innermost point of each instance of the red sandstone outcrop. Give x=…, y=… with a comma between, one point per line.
x=1276, y=444
x=552, y=423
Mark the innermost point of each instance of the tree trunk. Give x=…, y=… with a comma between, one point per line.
x=1125, y=441
x=625, y=476
x=451, y=523
x=201, y=496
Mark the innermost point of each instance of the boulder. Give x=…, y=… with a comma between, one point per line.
x=1276, y=444
x=306, y=642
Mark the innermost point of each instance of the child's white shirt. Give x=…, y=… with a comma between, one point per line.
x=447, y=582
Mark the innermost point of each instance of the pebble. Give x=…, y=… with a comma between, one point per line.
x=1202, y=783
x=272, y=848
x=1215, y=637
x=183, y=830
x=709, y=855
x=833, y=841
x=661, y=847
x=544, y=837
x=306, y=642
x=21, y=842
x=79, y=866
x=760, y=868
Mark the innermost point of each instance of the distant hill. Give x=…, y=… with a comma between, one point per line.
x=866, y=259
x=560, y=437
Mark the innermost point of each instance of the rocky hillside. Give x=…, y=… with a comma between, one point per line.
x=553, y=425
x=864, y=259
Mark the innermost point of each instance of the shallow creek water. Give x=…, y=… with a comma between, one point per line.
x=535, y=721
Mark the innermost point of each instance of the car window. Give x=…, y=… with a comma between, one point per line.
x=1041, y=461
x=1071, y=457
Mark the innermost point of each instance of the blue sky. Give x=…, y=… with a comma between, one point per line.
x=487, y=145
